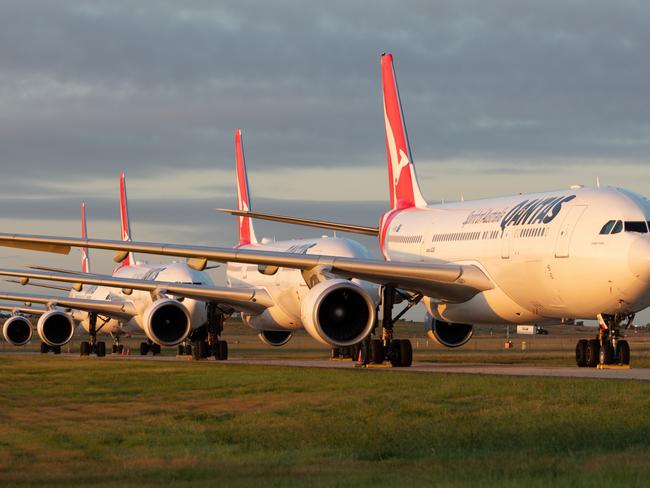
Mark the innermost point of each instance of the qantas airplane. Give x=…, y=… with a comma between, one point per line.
x=167, y=302
x=281, y=301
x=582, y=253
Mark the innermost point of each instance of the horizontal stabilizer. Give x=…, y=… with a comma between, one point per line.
x=321, y=224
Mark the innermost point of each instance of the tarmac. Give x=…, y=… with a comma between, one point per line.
x=642, y=374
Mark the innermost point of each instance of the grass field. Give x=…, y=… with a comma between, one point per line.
x=88, y=422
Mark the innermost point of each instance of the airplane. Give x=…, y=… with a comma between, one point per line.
x=323, y=309
x=581, y=253
x=167, y=302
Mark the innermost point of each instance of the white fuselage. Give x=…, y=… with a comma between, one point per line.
x=174, y=272
x=543, y=252
x=288, y=286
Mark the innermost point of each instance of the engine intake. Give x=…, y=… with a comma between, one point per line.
x=448, y=334
x=55, y=328
x=338, y=313
x=17, y=330
x=275, y=338
x=167, y=322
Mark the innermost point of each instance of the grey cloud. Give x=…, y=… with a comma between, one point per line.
x=93, y=88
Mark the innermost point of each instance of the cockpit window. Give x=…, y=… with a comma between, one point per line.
x=639, y=226
x=618, y=227
x=607, y=227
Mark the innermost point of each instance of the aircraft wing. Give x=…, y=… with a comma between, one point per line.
x=444, y=281
x=23, y=310
x=321, y=224
x=250, y=300
x=118, y=310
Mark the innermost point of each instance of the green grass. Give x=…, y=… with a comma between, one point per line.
x=90, y=422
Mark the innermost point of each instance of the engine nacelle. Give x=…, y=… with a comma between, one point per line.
x=338, y=313
x=17, y=330
x=275, y=338
x=55, y=328
x=166, y=322
x=448, y=334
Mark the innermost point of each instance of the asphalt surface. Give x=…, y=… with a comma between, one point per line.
x=642, y=374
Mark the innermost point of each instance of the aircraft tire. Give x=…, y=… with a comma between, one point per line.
x=405, y=353
x=56, y=349
x=395, y=359
x=222, y=351
x=84, y=348
x=44, y=348
x=101, y=349
x=581, y=353
x=592, y=353
x=623, y=352
x=155, y=349
x=376, y=351
x=144, y=349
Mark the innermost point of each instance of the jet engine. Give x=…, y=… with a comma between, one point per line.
x=275, y=337
x=166, y=322
x=448, y=334
x=17, y=330
x=338, y=313
x=55, y=328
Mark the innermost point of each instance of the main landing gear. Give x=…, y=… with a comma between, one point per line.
x=210, y=345
x=399, y=352
x=609, y=347
x=86, y=348
x=145, y=347
x=45, y=348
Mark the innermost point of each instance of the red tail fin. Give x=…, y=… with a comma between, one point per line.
x=124, y=220
x=404, y=189
x=246, y=231
x=85, y=258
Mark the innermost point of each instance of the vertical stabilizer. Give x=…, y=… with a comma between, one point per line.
x=85, y=258
x=246, y=231
x=403, y=184
x=124, y=221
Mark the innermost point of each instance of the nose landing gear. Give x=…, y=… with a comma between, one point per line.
x=609, y=347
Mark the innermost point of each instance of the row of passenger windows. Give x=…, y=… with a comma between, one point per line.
x=536, y=232
x=616, y=226
x=465, y=236
x=406, y=239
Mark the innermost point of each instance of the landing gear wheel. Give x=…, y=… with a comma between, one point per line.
x=101, y=349
x=44, y=348
x=120, y=348
x=606, y=355
x=155, y=349
x=581, y=353
x=181, y=349
x=114, y=348
x=56, y=349
x=84, y=348
x=623, y=352
x=201, y=350
x=592, y=353
x=144, y=349
x=405, y=353
x=376, y=351
x=222, y=351
x=188, y=350
x=394, y=353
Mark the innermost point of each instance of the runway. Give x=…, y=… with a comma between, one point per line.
x=642, y=374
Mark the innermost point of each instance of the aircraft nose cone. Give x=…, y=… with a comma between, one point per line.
x=640, y=259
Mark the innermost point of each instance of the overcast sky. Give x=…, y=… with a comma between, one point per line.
x=500, y=97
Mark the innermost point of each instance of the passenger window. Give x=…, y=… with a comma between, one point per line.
x=618, y=227
x=607, y=227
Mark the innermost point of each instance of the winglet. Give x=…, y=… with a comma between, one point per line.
x=85, y=258
x=129, y=260
x=404, y=189
x=246, y=231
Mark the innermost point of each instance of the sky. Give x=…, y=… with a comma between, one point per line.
x=499, y=97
